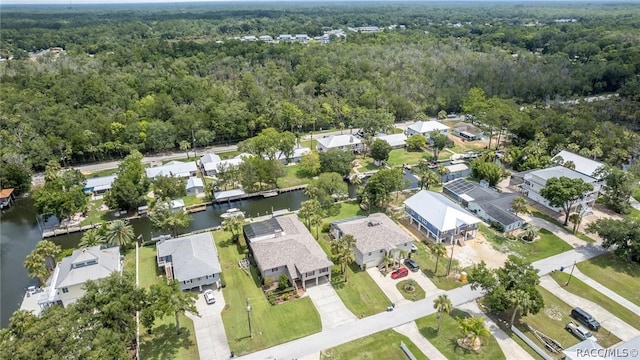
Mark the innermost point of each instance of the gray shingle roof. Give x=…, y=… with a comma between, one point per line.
x=499, y=209
x=85, y=264
x=295, y=247
x=374, y=233
x=192, y=256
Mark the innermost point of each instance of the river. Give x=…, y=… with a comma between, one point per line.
x=19, y=234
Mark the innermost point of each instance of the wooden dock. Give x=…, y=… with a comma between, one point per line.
x=265, y=193
x=195, y=208
x=67, y=230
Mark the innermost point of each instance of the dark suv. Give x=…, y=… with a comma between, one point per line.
x=412, y=265
x=585, y=318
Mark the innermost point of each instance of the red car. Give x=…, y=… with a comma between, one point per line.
x=402, y=272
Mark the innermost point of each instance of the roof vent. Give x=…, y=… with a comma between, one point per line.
x=373, y=223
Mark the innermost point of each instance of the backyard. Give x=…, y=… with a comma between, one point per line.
x=382, y=345
x=546, y=245
x=272, y=324
x=292, y=178
x=95, y=214
x=446, y=340
x=615, y=273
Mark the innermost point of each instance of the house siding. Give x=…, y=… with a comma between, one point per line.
x=195, y=190
x=275, y=275
x=75, y=293
x=197, y=282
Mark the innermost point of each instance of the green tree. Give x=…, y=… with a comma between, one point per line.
x=168, y=187
x=168, y=299
x=92, y=237
x=486, y=170
x=163, y=217
x=270, y=144
x=565, y=193
x=617, y=189
x=520, y=300
x=185, y=146
x=42, y=260
x=336, y=160
x=16, y=176
x=233, y=224
x=473, y=329
x=130, y=187
x=443, y=306
x=328, y=188
x=342, y=250
x=438, y=142
x=623, y=236
x=308, y=210
x=519, y=205
x=309, y=165
x=62, y=194
x=119, y=233
x=428, y=178
x=380, y=186
x=575, y=219
x=438, y=251
x=380, y=150
x=416, y=142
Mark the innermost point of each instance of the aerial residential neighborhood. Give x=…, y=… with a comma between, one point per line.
x=320, y=181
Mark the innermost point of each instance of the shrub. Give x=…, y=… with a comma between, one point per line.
x=325, y=227
x=283, y=282
x=223, y=283
x=286, y=297
x=268, y=281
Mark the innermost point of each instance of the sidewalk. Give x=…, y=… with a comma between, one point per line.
x=411, y=331
x=510, y=348
x=608, y=321
x=606, y=291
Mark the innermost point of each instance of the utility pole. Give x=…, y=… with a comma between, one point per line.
x=571, y=274
x=193, y=137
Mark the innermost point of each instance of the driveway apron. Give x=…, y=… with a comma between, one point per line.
x=210, y=334
x=331, y=308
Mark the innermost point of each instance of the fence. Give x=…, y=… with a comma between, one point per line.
x=529, y=342
x=407, y=351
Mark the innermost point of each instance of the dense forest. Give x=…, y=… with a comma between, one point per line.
x=147, y=78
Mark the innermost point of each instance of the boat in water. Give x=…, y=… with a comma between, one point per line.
x=233, y=212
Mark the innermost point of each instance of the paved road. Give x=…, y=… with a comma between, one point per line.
x=556, y=230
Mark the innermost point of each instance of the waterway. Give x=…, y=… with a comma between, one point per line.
x=19, y=233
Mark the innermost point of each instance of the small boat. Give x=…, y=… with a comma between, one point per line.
x=233, y=212
x=270, y=194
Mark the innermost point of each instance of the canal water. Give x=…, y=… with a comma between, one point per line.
x=19, y=233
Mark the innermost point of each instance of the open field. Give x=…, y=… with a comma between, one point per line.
x=546, y=245
x=615, y=273
x=382, y=345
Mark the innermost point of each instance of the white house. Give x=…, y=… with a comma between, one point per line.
x=67, y=282
x=285, y=37
x=396, y=141
x=191, y=260
x=581, y=164
x=99, y=185
x=265, y=38
x=441, y=218
x=376, y=237
x=426, y=127
x=210, y=164
x=535, y=181
x=298, y=153
x=195, y=186
x=342, y=142
x=173, y=168
x=455, y=171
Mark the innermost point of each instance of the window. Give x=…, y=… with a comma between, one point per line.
x=324, y=270
x=275, y=269
x=311, y=273
x=65, y=290
x=187, y=282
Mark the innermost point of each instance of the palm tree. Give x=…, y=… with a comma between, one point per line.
x=530, y=233
x=232, y=224
x=119, y=233
x=36, y=268
x=443, y=305
x=342, y=250
x=442, y=170
x=473, y=329
x=519, y=205
x=49, y=251
x=308, y=209
x=92, y=237
x=429, y=178
x=575, y=219
x=171, y=300
x=438, y=250
x=387, y=260
x=520, y=300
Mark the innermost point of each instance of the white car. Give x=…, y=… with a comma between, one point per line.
x=208, y=297
x=414, y=248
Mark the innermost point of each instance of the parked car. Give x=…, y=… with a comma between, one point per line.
x=585, y=318
x=579, y=332
x=414, y=248
x=208, y=297
x=402, y=272
x=412, y=265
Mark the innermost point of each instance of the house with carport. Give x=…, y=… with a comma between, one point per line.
x=99, y=185
x=440, y=218
x=425, y=128
x=341, y=142
x=283, y=245
x=191, y=260
x=376, y=236
x=173, y=168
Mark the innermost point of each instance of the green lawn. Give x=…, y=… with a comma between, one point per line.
x=416, y=294
x=615, y=273
x=360, y=294
x=551, y=321
x=576, y=286
x=105, y=172
x=94, y=214
x=635, y=213
x=348, y=209
x=382, y=345
x=547, y=245
x=272, y=324
x=367, y=164
x=636, y=193
x=183, y=159
x=292, y=178
x=445, y=341
x=398, y=157
x=229, y=154
x=193, y=200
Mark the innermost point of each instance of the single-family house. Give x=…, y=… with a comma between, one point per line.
x=441, y=218
x=99, y=185
x=425, y=128
x=590, y=349
x=265, y=38
x=191, y=260
x=489, y=205
x=376, y=236
x=581, y=164
x=455, y=171
x=296, y=156
x=249, y=38
x=467, y=131
x=396, y=141
x=6, y=197
x=210, y=164
x=195, y=186
x=173, y=168
x=66, y=285
x=536, y=180
x=342, y=142
x=285, y=37
x=302, y=37
x=283, y=245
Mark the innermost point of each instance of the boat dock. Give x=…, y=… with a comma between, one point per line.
x=67, y=230
x=195, y=208
x=234, y=195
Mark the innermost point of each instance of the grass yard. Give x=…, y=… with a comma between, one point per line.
x=366, y=164
x=551, y=321
x=229, y=154
x=272, y=324
x=183, y=159
x=615, y=273
x=360, y=294
x=292, y=178
x=416, y=294
x=348, y=209
x=577, y=287
x=398, y=157
x=193, y=200
x=547, y=245
x=445, y=341
x=636, y=193
x=100, y=173
x=94, y=214
x=382, y=345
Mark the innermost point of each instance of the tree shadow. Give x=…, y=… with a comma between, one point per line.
x=164, y=343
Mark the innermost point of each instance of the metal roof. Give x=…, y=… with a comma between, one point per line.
x=192, y=256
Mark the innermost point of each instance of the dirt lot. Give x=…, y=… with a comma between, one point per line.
x=477, y=250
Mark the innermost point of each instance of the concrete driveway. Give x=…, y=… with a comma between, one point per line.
x=332, y=311
x=210, y=334
x=388, y=285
